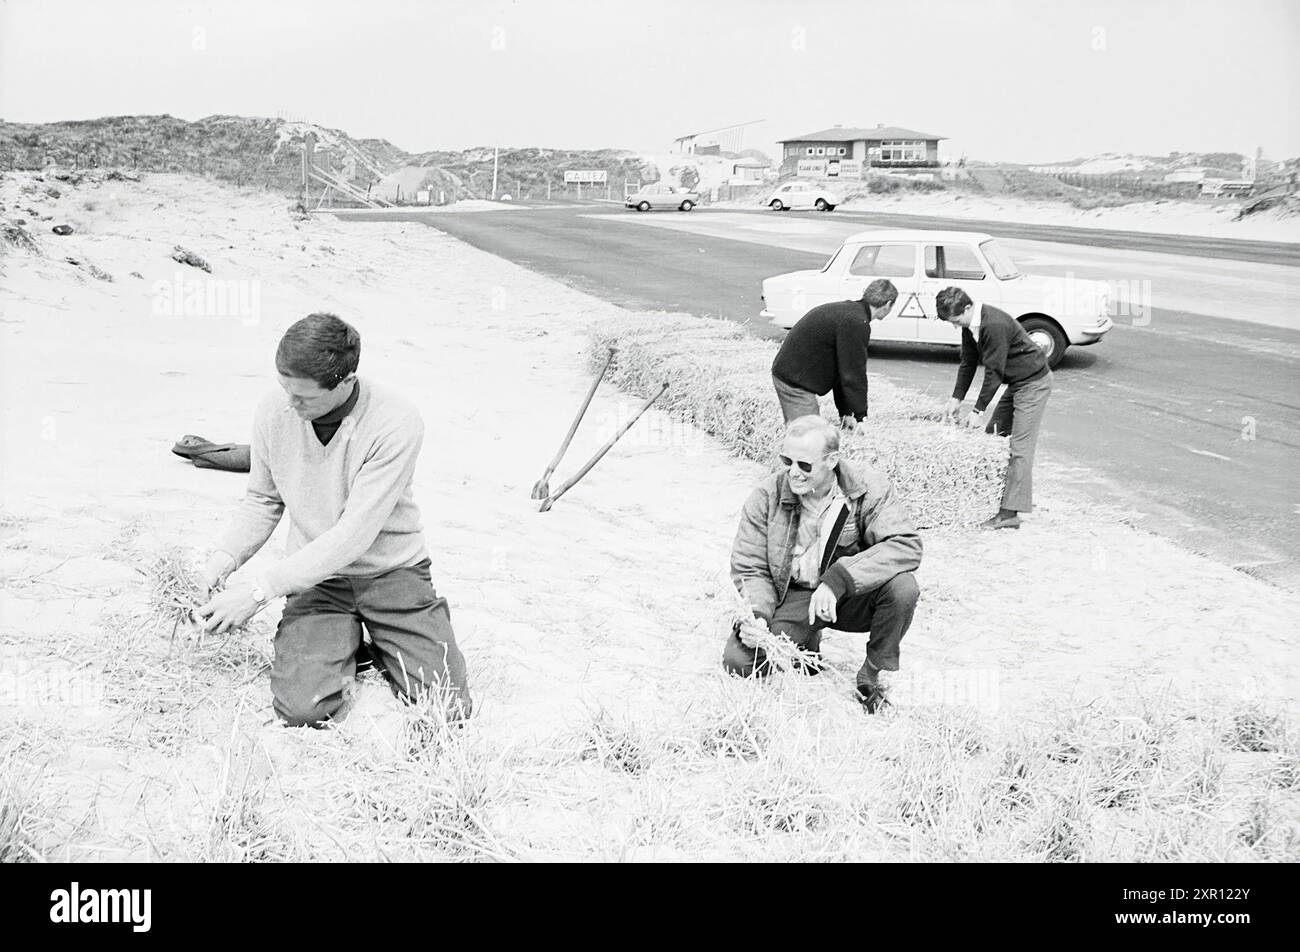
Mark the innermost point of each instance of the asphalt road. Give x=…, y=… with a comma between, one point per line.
x=1193, y=421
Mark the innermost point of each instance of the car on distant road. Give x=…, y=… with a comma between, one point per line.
x=802, y=195
x=1057, y=312
x=662, y=195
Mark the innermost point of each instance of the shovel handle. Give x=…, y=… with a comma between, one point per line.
x=573, y=428
x=572, y=481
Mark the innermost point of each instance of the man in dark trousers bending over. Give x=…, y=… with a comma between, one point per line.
x=995, y=339
x=339, y=454
x=824, y=542
x=827, y=352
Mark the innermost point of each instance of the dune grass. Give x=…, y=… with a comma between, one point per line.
x=786, y=768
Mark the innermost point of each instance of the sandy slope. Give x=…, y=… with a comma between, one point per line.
x=607, y=601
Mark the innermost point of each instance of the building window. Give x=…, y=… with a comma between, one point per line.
x=902, y=150
x=810, y=150
x=821, y=150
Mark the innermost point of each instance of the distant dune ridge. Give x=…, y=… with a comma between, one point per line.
x=263, y=152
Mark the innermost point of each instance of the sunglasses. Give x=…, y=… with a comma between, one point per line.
x=804, y=465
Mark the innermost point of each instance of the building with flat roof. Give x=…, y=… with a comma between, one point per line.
x=851, y=149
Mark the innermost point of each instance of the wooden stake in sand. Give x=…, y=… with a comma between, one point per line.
x=542, y=488
x=572, y=481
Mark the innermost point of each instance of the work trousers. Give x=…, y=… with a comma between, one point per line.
x=411, y=640
x=886, y=612
x=795, y=402
x=1020, y=413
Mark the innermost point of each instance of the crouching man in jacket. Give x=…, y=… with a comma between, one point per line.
x=824, y=542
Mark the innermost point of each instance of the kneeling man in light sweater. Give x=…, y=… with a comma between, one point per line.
x=339, y=454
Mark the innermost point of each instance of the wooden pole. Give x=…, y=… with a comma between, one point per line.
x=496, y=154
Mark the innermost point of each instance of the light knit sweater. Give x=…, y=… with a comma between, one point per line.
x=351, y=509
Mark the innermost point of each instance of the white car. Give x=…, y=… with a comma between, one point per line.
x=802, y=195
x=1057, y=312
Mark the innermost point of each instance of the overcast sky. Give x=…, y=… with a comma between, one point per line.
x=1018, y=80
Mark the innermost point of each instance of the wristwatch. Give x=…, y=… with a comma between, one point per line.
x=259, y=593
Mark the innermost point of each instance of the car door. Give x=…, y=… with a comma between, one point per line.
x=832, y=283
x=896, y=261
x=951, y=264
x=659, y=196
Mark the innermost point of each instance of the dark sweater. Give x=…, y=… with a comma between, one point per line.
x=827, y=351
x=1004, y=349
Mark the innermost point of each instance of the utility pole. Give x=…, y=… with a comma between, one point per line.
x=496, y=154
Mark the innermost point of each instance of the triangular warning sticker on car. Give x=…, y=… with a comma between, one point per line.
x=912, y=307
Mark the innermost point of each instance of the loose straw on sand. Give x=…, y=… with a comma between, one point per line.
x=781, y=652
x=175, y=591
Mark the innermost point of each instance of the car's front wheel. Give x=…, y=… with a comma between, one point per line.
x=687, y=206
x=1048, y=337
x=778, y=205
x=643, y=207
x=823, y=205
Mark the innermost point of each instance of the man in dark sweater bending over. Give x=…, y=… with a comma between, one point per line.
x=995, y=339
x=338, y=454
x=827, y=352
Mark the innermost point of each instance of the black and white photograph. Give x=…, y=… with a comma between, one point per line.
x=560, y=431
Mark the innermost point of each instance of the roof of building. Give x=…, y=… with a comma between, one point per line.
x=853, y=133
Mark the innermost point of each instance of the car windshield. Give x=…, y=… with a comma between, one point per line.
x=999, y=261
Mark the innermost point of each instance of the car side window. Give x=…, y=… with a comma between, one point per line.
x=884, y=261
x=961, y=264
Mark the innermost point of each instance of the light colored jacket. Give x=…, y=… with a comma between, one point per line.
x=761, y=556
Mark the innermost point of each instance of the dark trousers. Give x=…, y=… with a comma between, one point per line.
x=886, y=612
x=410, y=638
x=1020, y=414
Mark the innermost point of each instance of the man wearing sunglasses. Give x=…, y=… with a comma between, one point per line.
x=824, y=543
x=826, y=352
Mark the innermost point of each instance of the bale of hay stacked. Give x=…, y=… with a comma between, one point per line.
x=721, y=382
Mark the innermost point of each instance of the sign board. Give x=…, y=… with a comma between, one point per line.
x=912, y=307
x=833, y=168
x=585, y=177
x=815, y=167
x=850, y=168
x=422, y=196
